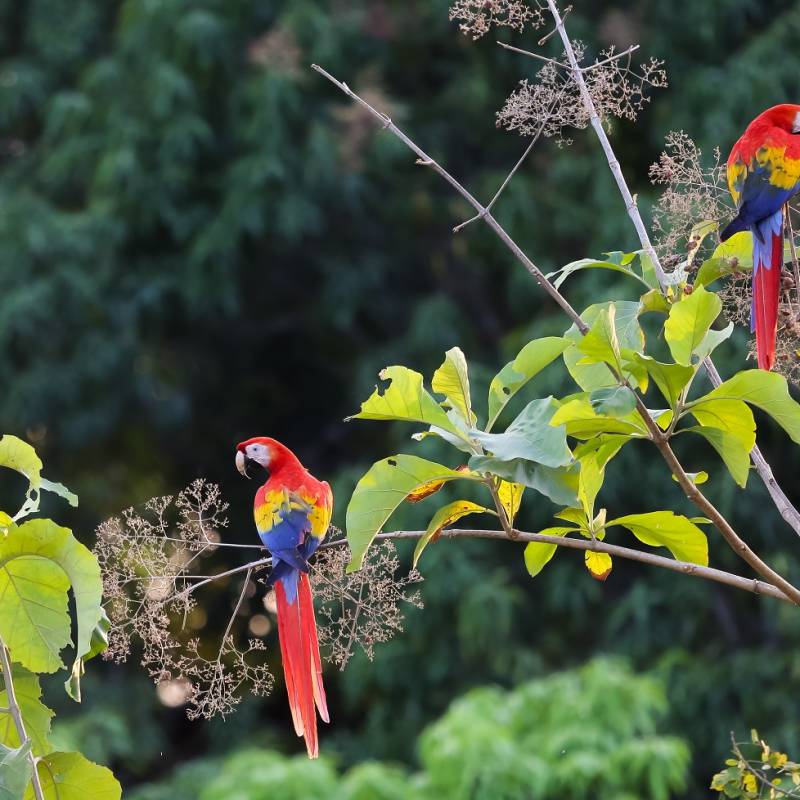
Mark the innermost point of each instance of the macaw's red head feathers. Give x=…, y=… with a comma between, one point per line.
x=785, y=116
x=264, y=451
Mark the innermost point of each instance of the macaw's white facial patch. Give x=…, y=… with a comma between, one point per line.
x=259, y=453
x=796, y=123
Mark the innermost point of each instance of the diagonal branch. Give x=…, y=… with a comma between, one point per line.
x=789, y=513
x=738, y=545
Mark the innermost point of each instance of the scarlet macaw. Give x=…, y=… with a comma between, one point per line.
x=292, y=512
x=763, y=173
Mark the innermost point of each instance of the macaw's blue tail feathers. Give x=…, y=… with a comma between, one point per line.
x=297, y=632
x=767, y=264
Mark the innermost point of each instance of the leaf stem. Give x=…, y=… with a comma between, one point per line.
x=16, y=716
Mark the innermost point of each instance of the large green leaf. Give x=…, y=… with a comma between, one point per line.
x=531, y=436
x=452, y=380
x=405, y=399
x=581, y=420
x=531, y=360
x=601, y=345
x=665, y=529
x=38, y=561
x=733, y=416
x=688, y=323
x=590, y=482
x=558, y=484
x=537, y=554
x=71, y=776
x=445, y=516
x=628, y=334
x=36, y=714
x=383, y=487
x=15, y=771
x=733, y=255
x=670, y=378
x=765, y=390
x=20, y=456
x=613, y=401
x=730, y=448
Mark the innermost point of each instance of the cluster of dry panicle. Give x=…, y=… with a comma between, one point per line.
x=476, y=17
x=551, y=104
x=148, y=560
x=363, y=608
x=695, y=193
x=151, y=563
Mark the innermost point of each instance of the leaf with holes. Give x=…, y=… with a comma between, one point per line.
x=445, y=516
x=510, y=496
x=530, y=361
x=381, y=490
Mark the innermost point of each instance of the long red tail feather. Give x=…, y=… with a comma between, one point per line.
x=766, y=289
x=297, y=632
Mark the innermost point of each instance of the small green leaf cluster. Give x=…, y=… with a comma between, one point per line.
x=560, y=448
x=758, y=772
x=39, y=562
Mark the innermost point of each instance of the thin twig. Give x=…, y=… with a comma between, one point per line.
x=633, y=48
x=533, y=55
x=16, y=716
x=758, y=774
x=425, y=160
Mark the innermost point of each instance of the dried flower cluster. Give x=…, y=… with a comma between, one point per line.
x=552, y=104
x=693, y=193
x=476, y=17
x=145, y=560
x=362, y=608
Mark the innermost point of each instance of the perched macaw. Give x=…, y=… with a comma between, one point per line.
x=763, y=173
x=292, y=512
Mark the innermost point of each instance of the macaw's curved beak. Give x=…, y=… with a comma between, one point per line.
x=241, y=463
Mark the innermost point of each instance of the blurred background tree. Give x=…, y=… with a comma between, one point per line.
x=201, y=240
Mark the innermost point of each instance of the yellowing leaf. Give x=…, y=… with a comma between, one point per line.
x=582, y=421
x=446, y=516
x=452, y=380
x=598, y=564
x=732, y=416
x=510, y=495
x=589, y=484
x=426, y=490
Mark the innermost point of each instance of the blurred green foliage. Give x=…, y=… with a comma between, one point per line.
x=201, y=241
x=587, y=733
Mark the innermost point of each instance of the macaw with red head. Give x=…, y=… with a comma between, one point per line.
x=763, y=174
x=292, y=512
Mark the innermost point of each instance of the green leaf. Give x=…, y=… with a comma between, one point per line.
x=445, y=516
x=765, y=390
x=654, y=301
x=591, y=263
x=537, y=554
x=559, y=485
x=604, y=447
x=613, y=401
x=731, y=450
x=15, y=771
x=679, y=535
x=583, y=422
x=628, y=334
x=36, y=715
x=531, y=436
x=460, y=442
x=697, y=478
x=688, y=323
x=71, y=776
x=590, y=482
x=404, y=399
x=530, y=361
x=384, y=486
x=38, y=561
x=713, y=339
x=99, y=643
x=600, y=344
x=670, y=378
x=733, y=416
x=452, y=380
x=733, y=255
